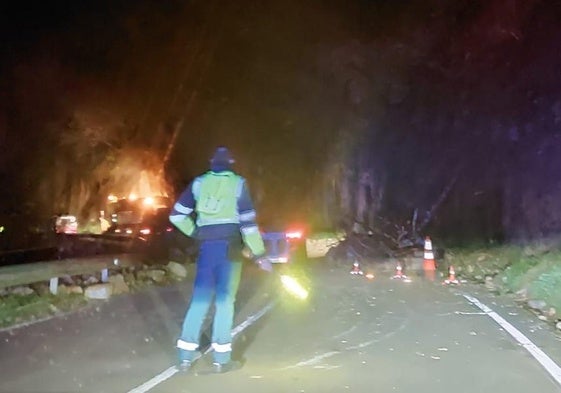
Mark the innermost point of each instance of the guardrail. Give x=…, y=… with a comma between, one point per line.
x=51, y=271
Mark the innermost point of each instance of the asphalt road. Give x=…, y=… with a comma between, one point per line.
x=352, y=334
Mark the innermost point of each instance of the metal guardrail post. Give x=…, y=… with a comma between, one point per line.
x=105, y=275
x=53, y=285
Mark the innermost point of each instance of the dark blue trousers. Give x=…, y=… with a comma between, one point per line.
x=217, y=278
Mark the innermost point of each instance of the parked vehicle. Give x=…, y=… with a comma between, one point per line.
x=282, y=246
x=155, y=234
x=66, y=224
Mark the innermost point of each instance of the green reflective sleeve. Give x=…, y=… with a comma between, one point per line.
x=252, y=238
x=186, y=226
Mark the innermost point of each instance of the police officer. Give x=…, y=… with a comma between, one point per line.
x=224, y=221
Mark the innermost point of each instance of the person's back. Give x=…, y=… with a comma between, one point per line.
x=225, y=219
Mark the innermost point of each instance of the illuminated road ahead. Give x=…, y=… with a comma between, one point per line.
x=352, y=334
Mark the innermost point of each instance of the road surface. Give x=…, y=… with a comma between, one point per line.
x=352, y=334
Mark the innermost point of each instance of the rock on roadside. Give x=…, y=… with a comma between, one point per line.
x=177, y=269
x=99, y=291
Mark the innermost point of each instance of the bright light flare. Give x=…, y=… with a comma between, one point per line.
x=369, y=276
x=148, y=201
x=293, y=287
x=145, y=231
x=294, y=235
x=112, y=198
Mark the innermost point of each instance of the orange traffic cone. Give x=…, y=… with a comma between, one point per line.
x=429, y=266
x=399, y=274
x=356, y=268
x=451, y=276
x=428, y=263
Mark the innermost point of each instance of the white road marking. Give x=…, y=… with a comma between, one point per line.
x=171, y=371
x=550, y=366
x=346, y=332
x=363, y=345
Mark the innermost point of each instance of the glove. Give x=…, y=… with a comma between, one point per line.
x=264, y=264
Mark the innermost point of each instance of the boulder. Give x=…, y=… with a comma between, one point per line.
x=317, y=248
x=177, y=269
x=155, y=275
x=22, y=291
x=99, y=291
x=75, y=289
x=67, y=280
x=90, y=280
x=539, y=305
x=119, y=284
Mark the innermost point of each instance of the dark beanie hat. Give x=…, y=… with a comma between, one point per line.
x=222, y=156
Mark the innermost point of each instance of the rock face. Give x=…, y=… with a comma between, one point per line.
x=99, y=291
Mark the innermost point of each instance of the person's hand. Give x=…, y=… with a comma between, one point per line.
x=264, y=264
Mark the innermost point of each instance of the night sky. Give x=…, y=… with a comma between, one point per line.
x=421, y=98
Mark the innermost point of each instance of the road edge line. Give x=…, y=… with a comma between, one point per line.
x=550, y=366
x=171, y=371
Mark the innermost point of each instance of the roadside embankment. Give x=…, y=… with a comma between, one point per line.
x=530, y=273
x=26, y=295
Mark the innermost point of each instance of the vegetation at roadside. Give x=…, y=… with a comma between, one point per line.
x=533, y=271
x=16, y=309
x=35, y=302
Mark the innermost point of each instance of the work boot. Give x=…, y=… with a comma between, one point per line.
x=221, y=368
x=184, y=366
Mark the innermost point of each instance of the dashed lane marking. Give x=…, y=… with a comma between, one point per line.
x=550, y=366
x=171, y=371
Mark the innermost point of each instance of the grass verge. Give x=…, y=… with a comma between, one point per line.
x=533, y=270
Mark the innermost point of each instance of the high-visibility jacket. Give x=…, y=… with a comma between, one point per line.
x=223, y=208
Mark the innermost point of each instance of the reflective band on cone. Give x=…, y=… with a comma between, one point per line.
x=428, y=263
x=399, y=272
x=356, y=269
x=451, y=276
